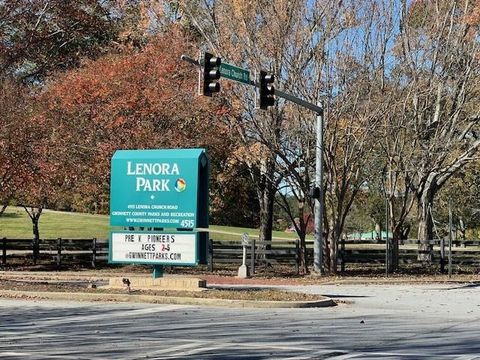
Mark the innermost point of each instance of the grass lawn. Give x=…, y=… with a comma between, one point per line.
x=16, y=224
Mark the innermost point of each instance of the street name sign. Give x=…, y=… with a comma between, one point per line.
x=245, y=239
x=154, y=248
x=235, y=73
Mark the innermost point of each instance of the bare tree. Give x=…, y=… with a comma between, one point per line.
x=335, y=52
x=438, y=62
x=283, y=37
x=356, y=82
x=295, y=157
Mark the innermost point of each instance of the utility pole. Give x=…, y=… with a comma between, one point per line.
x=319, y=202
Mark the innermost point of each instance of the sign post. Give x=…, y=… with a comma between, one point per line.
x=243, y=271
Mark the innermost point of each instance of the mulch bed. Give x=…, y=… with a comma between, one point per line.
x=256, y=294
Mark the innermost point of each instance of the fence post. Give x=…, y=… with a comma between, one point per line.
x=59, y=253
x=94, y=252
x=4, y=252
x=450, y=256
x=252, y=255
x=210, y=255
x=297, y=257
x=342, y=255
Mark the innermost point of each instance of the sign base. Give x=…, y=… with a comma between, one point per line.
x=243, y=272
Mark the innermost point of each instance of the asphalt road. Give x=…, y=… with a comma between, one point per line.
x=383, y=322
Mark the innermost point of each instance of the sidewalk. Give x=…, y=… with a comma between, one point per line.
x=212, y=279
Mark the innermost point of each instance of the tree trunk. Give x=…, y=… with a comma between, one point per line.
x=396, y=237
x=303, y=268
x=333, y=255
x=334, y=236
x=326, y=247
x=337, y=237
x=462, y=229
x=36, y=239
x=404, y=231
x=2, y=209
x=425, y=229
x=266, y=215
x=263, y=178
x=34, y=214
x=378, y=233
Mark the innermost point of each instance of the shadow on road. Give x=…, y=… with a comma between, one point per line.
x=336, y=296
x=465, y=286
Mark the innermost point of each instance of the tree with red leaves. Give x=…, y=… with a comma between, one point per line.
x=136, y=100
x=16, y=143
x=38, y=37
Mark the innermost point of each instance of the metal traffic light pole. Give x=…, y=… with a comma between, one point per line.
x=319, y=203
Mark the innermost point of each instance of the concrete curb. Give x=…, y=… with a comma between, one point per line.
x=152, y=299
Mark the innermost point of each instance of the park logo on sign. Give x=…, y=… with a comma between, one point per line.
x=180, y=185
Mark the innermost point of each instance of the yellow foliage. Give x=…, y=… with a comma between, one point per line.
x=251, y=154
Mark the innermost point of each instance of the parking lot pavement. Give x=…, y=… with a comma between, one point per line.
x=375, y=322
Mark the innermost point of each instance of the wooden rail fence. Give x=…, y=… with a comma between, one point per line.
x=258, y=253
x=466, y=253
x=92, y=252
x=58, y=251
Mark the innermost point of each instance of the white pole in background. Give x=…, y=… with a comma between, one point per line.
x=318, y=242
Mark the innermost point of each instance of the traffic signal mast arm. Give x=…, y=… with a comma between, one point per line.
x=313, y=107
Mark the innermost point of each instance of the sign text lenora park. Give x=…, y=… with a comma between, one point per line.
x=158, y=190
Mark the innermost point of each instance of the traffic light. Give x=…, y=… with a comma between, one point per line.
x=267, y=90
x=315, y=192
x=210, y=73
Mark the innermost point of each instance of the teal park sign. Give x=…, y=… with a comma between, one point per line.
x=159, y=188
